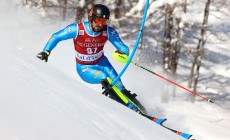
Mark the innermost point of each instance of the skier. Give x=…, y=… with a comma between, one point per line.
x=92, y=66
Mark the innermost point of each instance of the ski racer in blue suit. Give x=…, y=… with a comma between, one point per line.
x=89, y=39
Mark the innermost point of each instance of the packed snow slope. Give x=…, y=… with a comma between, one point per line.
x=48, y=101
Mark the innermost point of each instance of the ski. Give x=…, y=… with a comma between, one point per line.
x=160, y=122
x=125, y=100
x=184, y=135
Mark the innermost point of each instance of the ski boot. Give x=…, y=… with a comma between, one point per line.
x=128, y=93
x=109, y=91
x=124, y=97
x=132, y=97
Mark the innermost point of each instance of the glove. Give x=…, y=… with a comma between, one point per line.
x=119, y=56
x=43, y=56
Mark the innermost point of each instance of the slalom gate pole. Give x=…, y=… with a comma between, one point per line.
x=194, y=93
x=136, y=44
x=123, y=58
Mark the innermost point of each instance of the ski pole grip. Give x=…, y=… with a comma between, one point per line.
x=120, y=57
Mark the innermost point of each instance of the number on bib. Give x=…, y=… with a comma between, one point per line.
x=91, y=50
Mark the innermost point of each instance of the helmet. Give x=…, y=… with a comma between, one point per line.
x=99, y=10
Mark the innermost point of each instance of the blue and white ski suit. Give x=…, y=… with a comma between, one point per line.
x=90, y=73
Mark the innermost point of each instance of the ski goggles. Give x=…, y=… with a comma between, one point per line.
x=101, y=21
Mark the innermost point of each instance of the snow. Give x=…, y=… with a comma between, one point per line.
x=48, y=101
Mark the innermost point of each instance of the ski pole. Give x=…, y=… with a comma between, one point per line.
x=194, y=93
x=123, y=58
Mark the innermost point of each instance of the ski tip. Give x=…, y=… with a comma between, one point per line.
x=185, y=135
x=190, y=137
x=210, y=101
